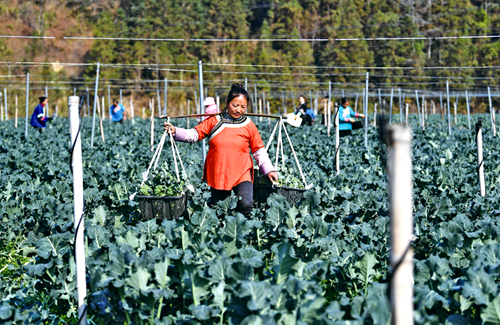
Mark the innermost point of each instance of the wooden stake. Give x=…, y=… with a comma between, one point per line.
x=399, y=170
x=100, y=119
x=480, y=158
x=131, y=110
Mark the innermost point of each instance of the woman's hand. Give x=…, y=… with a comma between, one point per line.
x=169, y=127
x=362, y=115
x=273, y=176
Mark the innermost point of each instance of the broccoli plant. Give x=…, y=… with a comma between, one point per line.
x=162, y=183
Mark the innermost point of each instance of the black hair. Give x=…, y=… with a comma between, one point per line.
x=237, y=90
x=115, y=101
x=42, y=99
x=344, y=100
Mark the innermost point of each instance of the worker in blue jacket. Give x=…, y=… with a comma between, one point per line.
x=346, y=118
x=117, y=111
x=38, y=118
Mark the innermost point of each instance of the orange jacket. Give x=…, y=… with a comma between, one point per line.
x=228, y=161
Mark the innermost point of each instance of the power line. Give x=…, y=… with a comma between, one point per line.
x=409, y=38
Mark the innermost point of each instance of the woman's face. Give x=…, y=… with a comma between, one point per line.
x=346, y=104
x=237, y=107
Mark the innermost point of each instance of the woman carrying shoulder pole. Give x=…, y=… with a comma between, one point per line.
x=231, y=137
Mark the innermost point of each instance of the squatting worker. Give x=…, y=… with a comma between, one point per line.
x=231, y=136
x=346, y=118
x=38, y=118
x=305, y=112
x=117, y=111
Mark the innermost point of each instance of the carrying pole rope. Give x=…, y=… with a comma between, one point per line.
x=173, y=152
x=278, y=144
x=296, y=160
x=272, y=136
x=189, y=186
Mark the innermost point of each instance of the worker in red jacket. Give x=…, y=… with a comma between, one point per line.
x=231, y=137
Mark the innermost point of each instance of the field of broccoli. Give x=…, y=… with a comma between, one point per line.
x=324, y=260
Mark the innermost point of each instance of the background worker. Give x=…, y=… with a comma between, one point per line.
x=117, y=111
x=306, y=113
x=346, y=118
x=231, y=137
x=210, y=106
x=38, y=118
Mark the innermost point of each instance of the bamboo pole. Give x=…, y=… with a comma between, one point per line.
x=268, y=113
x=283, y=101
x=46, y=106
x=390, y=108
x=96, y=89
x=407, y=106
x=260, y=109
x=152, y=110
x=468, y=108
x=375, y=115
x=337, y=140
x=103, y=115
x=16, y=114
x=448, y=105
x=202, y=108
x=455, y=112
x=399, y=169
x=214, y=114
x=491, y=113
x=109, y=104
x=367, y=95
x=5, y=102
x=418, y=108
x=480, y=158
x=188, y=110
x=401, y=104
x=165, y=92
x=329, y=106
x=449, y=120
x=78, y=216
x=27, y=102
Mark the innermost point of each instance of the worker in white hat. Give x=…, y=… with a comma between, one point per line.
x=210, y=106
